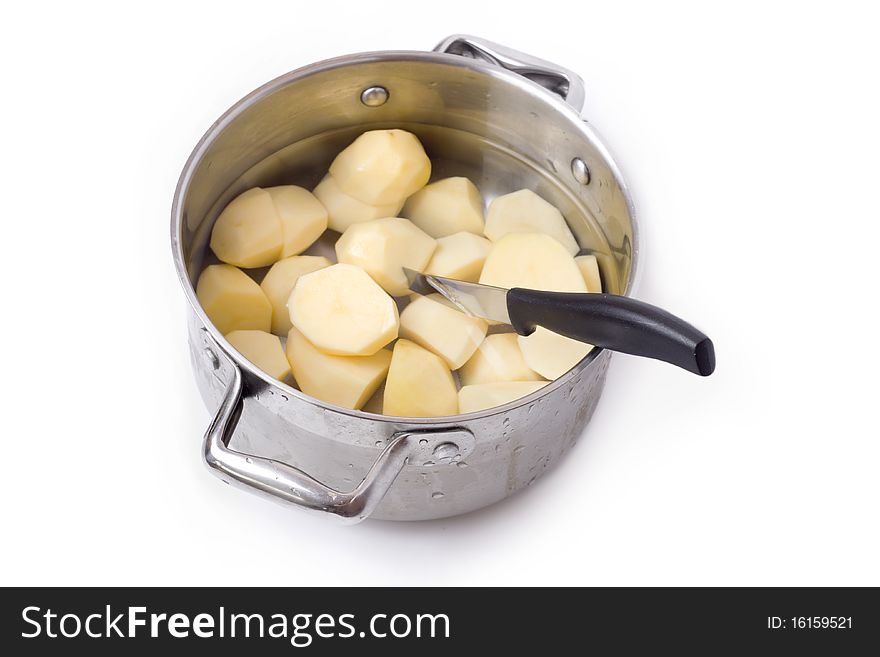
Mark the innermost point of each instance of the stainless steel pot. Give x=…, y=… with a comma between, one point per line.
x=506, y=120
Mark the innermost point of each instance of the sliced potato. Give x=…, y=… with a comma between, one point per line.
x=460, y=256
x=263, y=349
x=590, y=271
x=534, y=261
x=488, y=395
x=382, y=167
x=342, y=311
x=279, y=282
x=303, y=217
x=248, y=233
x=419, y=383
x=496, y=360
x=345, y=210
x=551, y=355
x=382, y=248
x=447, y=332
x=346, y=381
x=445, y=207
x=232, y=300
x=526, y=212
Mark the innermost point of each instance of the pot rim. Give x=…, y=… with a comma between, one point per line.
x=281, y=81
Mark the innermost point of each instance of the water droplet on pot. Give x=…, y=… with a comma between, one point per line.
x=517, y=450
x=437, y=495
x=462, y=464
x=423, y=442
x=379, y=443
x=248, y=460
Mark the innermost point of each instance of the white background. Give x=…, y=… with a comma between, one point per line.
x=749, y=135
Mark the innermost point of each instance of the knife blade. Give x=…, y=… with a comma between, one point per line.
x=486, y=301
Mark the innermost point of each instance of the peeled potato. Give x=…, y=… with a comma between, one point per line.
x=342, y=311
x=249, y=232
x=346, y=381
x=263, y=349
x=382, y=247
x=382, y=167
x=232, y=300
x=449, y=333
x=303, y=217
x=279, y=282
x=345, y=210
x=590, y=271
x=460, y=256
x=487, y=395
x=497, y=359
x=534, y=261
x=526, y=212
x=551, y=355
x=419, y=383
x=448, y=206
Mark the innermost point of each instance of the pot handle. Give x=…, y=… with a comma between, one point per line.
x=287, y=484
x=566, y=84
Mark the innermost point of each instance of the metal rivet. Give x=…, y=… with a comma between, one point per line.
x=212, y=358
x=446, y=451
x=580, y=171
x=374, y=96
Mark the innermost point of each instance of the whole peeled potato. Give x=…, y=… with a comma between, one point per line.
x=524, y=211
x=382, y=167
x=383, y=247
x=249, y=233
x=445, y=207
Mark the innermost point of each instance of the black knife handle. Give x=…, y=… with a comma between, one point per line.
x=613, y=322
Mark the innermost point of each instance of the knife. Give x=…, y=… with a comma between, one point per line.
x=605, y=320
